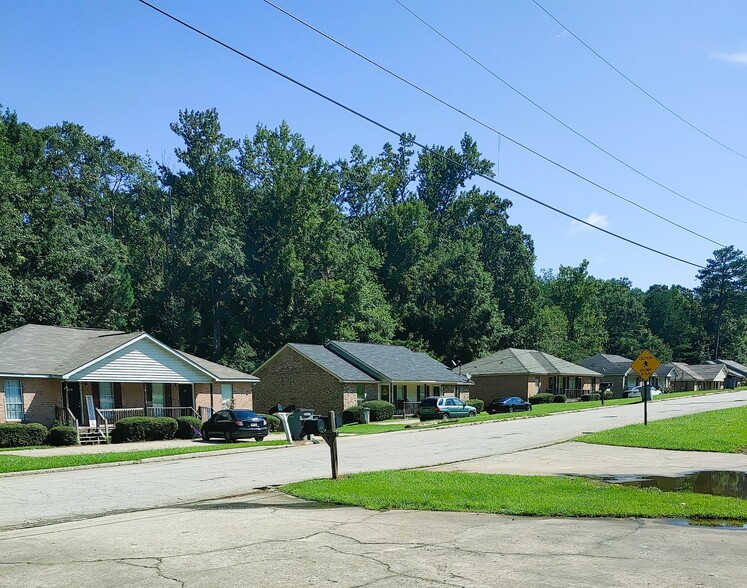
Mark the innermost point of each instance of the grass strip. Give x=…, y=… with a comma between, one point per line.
x=514, y=495
x=723, y=431
x=24, y=463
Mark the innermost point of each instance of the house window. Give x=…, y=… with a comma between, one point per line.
x=437, y=390
x=226, y=393
x=13, y=400
x=361, y=392
x=106, y=395
x=159, y=396
x=385, y=393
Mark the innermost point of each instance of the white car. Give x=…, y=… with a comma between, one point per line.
x=638, y=390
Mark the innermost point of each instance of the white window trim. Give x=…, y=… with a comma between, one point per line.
x=7, y=404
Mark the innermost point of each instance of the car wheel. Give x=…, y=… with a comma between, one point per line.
x=510, y=409
x=205, y=436
x=228, y=436
x=472, y=413
x=444, y=416
x=529, y=407
x=259, y=438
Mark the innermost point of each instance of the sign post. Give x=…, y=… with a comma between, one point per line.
x=645, y=365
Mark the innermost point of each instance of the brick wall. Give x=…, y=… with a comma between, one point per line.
x=40, y=397
x=290, y=378
x=488, y=388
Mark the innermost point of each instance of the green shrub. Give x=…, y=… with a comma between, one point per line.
x=184, y=427
x=607, y=394
x=22, y=434
x=62, y=435
x=477, y=403
x=274, y=424
x=381, y=410
x=559, y=398
x=588, y=397
x=144, y=429
x=351, y=415
x=542, y=398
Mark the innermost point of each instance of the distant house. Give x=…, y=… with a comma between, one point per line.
x=525, y=372
x=737, y=375
x=339, y=374
x=666, y=376
x=616, y=370
x=700, y=377
x=93, y=377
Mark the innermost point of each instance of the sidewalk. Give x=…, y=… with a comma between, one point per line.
x=140, y=446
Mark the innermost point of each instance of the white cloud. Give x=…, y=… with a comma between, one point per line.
x=740, y=57
x=596, y=219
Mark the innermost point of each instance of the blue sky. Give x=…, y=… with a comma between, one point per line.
x=122, y=70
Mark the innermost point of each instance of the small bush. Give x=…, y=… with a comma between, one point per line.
x=22, y=434
x=542, y=398
x=144, y=429
x=274, y=424
x=607, y=394
x=184, y=427
x=588, y=397
x=62, y=435
x=477, y=403
x=559, y=398
x=381, y=410
x=351, y=415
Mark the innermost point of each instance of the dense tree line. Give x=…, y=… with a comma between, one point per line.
x=248, y=244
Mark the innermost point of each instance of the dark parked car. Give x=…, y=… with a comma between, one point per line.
x=235, y=424
x=507, y=404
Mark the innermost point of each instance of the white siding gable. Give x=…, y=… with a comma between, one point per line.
x=141, y=361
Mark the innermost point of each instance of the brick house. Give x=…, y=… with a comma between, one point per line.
x=526, y=372
x=93, y=377
x=339, y=374
x=618, y=375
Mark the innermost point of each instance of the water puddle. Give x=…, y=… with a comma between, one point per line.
x=715, y=482
x=712, y=523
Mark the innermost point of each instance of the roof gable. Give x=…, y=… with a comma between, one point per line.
x=332, y=363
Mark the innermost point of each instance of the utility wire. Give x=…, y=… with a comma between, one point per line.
x=559, y=121
x=629, y=80
x=485, y=125
x=406, y=137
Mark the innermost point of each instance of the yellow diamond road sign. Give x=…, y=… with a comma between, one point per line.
x=645, y=364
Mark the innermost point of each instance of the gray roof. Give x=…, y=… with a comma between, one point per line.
x=334, y=364
x=607, y=364
x=666, y=368
x=53, y=351
x=734, y=367
x=394, y=363
x=702, y=372
x=525, y=361
x=41, y=350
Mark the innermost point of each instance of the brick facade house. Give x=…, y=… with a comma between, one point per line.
x=94, y=377
x=340, y=374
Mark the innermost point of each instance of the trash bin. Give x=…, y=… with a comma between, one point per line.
x=327, y=423
x=295, y=422
x=365, y=416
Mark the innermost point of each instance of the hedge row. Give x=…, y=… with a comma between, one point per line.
x=144, y=429
x=542, y=398
x=22, y=434
x=477, y=403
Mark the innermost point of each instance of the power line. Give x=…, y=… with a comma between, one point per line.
x=640, y=88
x=574, y=131
x=404, y=136
x=485, y=125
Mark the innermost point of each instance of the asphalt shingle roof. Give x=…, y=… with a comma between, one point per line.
x=336, y=365
x=43, y=350
x=607, y=364
x=701, y=372
x=525, y=361
x=734, y=366
x=394, y=363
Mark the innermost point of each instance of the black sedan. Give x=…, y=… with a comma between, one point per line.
x=235, y=424
x=507, y=404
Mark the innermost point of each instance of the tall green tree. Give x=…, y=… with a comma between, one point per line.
x=722, y=289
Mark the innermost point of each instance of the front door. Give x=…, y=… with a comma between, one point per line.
x=185, y=395
x=74, y=402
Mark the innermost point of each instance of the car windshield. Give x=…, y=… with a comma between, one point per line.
x=244, y=414
x=504, y=399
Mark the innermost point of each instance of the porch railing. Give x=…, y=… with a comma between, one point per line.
x=409, y=408
x=102, y=420
x=171, y=411
x=112, y=415
x=65, y=415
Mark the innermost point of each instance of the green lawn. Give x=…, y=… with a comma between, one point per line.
x=538, y=410
x=717, y=430
x=515, y=495
x=22, y=463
